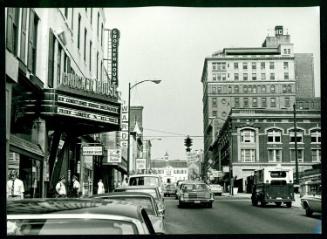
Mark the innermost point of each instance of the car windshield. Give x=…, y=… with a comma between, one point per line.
x=192, y=187
x=69, y=226
x=147, y=181
x=146, y=203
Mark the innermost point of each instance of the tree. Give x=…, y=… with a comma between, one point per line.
x=188, y=143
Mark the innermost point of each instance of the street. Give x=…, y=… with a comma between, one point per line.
x=238, y=216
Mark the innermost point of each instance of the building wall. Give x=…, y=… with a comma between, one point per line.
x=304, y=74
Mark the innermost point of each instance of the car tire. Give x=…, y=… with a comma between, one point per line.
x=289, y=204
x=308, y=211
x=254, y=202
x=278, y=204
x=209, y=205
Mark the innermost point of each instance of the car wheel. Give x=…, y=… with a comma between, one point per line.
x=278, y=204
x=308, y=211
x=289, y=204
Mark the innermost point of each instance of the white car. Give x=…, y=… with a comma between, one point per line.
x=216, y=189
x=311, y=202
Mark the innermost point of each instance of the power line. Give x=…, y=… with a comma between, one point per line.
x=166, y=132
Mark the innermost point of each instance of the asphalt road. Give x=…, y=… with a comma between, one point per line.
x=238, y=216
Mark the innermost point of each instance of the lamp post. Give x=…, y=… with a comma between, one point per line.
x=129, y=114
x=295, y=146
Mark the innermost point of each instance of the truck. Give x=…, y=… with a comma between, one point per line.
x=273, y=185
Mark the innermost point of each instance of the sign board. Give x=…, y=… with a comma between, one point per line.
x=88, y=162
x=140, y=163
x=217, y=174
x=114, y=156
x=92, y=150
x=114, y=55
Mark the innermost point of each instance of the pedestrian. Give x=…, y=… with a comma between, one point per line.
x=15, y=186
x=76, y=187
x=61, y=188
x=100, y=187
x=125, y=182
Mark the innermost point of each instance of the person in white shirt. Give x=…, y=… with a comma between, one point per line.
x=61, y=187
x=15, y=187
x=76, y=187
x=100, y=187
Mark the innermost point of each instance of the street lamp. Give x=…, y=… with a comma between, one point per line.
x=129, y=113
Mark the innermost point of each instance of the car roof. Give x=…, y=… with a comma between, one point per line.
x=71, y=206
x=192, y=182
x=126, y=194
x=139, y=186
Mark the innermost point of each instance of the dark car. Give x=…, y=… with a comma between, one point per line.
x=144, y=200
x=170, y=190
x=152, y=190
x=76, y=217
x=196, y=193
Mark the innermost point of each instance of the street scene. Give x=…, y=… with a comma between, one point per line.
x=163, y=121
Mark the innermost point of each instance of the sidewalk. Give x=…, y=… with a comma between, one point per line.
x=296, y=203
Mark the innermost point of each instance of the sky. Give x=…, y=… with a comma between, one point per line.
x=170, y=44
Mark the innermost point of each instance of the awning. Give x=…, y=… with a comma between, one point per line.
x=25, y=147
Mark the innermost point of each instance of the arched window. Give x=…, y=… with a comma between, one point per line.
x=299, y=136
x=247, y=136
x=274, y=136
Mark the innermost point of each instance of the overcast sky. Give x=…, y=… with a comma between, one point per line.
x=171, y=43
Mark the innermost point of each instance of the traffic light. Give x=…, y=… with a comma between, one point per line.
x=188, y=143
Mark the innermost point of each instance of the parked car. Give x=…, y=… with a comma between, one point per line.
x=170, y=189
x=146, y=180
x=195, y=193
x=216, y=189
x=145, y=200
x=63, y=216
x=152, y=190
x=178, y=188
x=311, y=197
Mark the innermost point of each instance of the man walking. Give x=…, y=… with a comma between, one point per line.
x=15, y=187
x=61, y=188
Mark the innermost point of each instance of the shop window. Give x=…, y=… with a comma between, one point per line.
x=274, y=136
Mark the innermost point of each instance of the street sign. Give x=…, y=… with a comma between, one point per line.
x=92, y=150
x=114, y=156
x=140, y=164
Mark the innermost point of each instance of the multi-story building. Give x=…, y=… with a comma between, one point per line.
x=170, y=170
x=254, y=138
x=256, y=78
x=57, y=93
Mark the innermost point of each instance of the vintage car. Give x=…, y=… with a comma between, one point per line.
x=196, y=193
x=311, y=197
x=145, y=200
x=152, y=180
x=170, y=189
x=152, y=190
x=63, y=216
x=216, y=189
